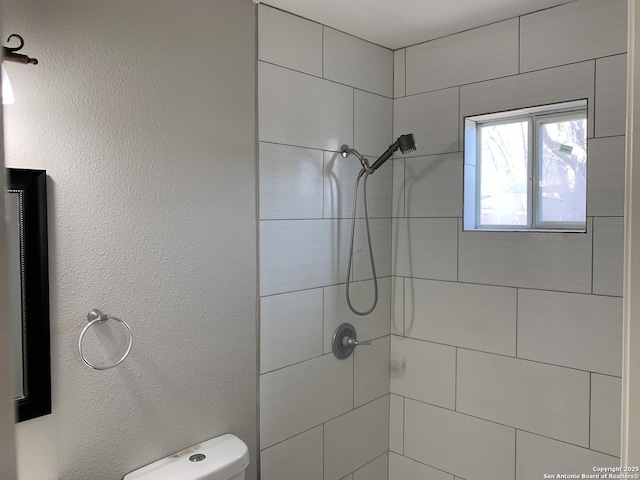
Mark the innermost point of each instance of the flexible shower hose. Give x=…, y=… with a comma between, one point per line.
x=366, y=174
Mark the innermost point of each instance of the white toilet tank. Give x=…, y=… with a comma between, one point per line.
x=221, y=458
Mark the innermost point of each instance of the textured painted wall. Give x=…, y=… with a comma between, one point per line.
x=143, y=115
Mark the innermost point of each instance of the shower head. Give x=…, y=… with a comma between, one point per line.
x=406, y=143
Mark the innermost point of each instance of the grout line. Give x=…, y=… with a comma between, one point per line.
x=590, y=396
x=519, y=43
x=455, y=383
x=567, y=292
x=404, y=421
x=503, y=355
x=322, y=48
x=517, y=429
x=515, y=454
x=517, y=306
x=405, y=72
x=306, y=74
x=485, y=25
x=323, y=453
x=593, y=247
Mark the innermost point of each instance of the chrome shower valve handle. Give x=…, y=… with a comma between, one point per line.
x=345, y=340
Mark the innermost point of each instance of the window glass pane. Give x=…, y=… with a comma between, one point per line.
x=562, y=194
x=504, y=174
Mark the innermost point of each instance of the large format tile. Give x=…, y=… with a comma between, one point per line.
x=545, y=399
x=396, y=424
x=432, y=118
x=290, y=182
x=371, y=371
x=605, y=178
x=373, y=123
x=471, y=56
x=611, y=96
x=356, y=438
x=433, y=186
x=302, y=396
x=298, y=109
x=403, y=468
x=290, y=328
x=606, y=401
x=608, y=255
x=399, y=79
x=336, y=310
x=538, y=455
x=423, y=371
x=339, y=182
x=573, y=32
x=457, y=443
x=358, y=63
x=579, y=331
x=294, y=459
x=485, y=320
x=302, y=254
x=295, y=255
x=553, y=85
x=377, y=469
x=425, y=248
x=290, y=41
x=542, y=260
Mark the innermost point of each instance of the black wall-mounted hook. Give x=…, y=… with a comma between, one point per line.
x=10, y=55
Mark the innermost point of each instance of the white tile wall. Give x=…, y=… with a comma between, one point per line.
x=573, y=32
x=356, y=438
x=606, y=393
x=579, y=331
x=302, y=396
x=371, y=371
x=403, y=468
x=547, y=261
x=354, y=62
x=605, y=177
x=373, y=124
x=298, y=109
x=423, y=371
x=458, y=444
x=433, y=186
x=336, y=310
x=485, y=320
x=611, y=95
x=398, y=188
x=296, y=255
x=425, y=248
x=540, y=398
x=399, y=79
x=397, y=306
x=553, y=85
x=608, y=255
x=396, y=424
x=290, y=328
x=290, y=182
x=479, y=54
x=539, y=455
x=290, y=41
x=377, y=469
x=339, y=182
x=432, y=118
x=294, y=459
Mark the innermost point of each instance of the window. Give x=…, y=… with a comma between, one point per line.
x=527, y=169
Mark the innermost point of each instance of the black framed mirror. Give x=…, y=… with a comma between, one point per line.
x=26, y=207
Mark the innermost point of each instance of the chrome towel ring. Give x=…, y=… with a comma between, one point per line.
x=94, y=316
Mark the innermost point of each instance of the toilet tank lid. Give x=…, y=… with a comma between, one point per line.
x=224, y=457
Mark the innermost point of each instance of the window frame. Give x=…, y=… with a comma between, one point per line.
x=535, y=117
